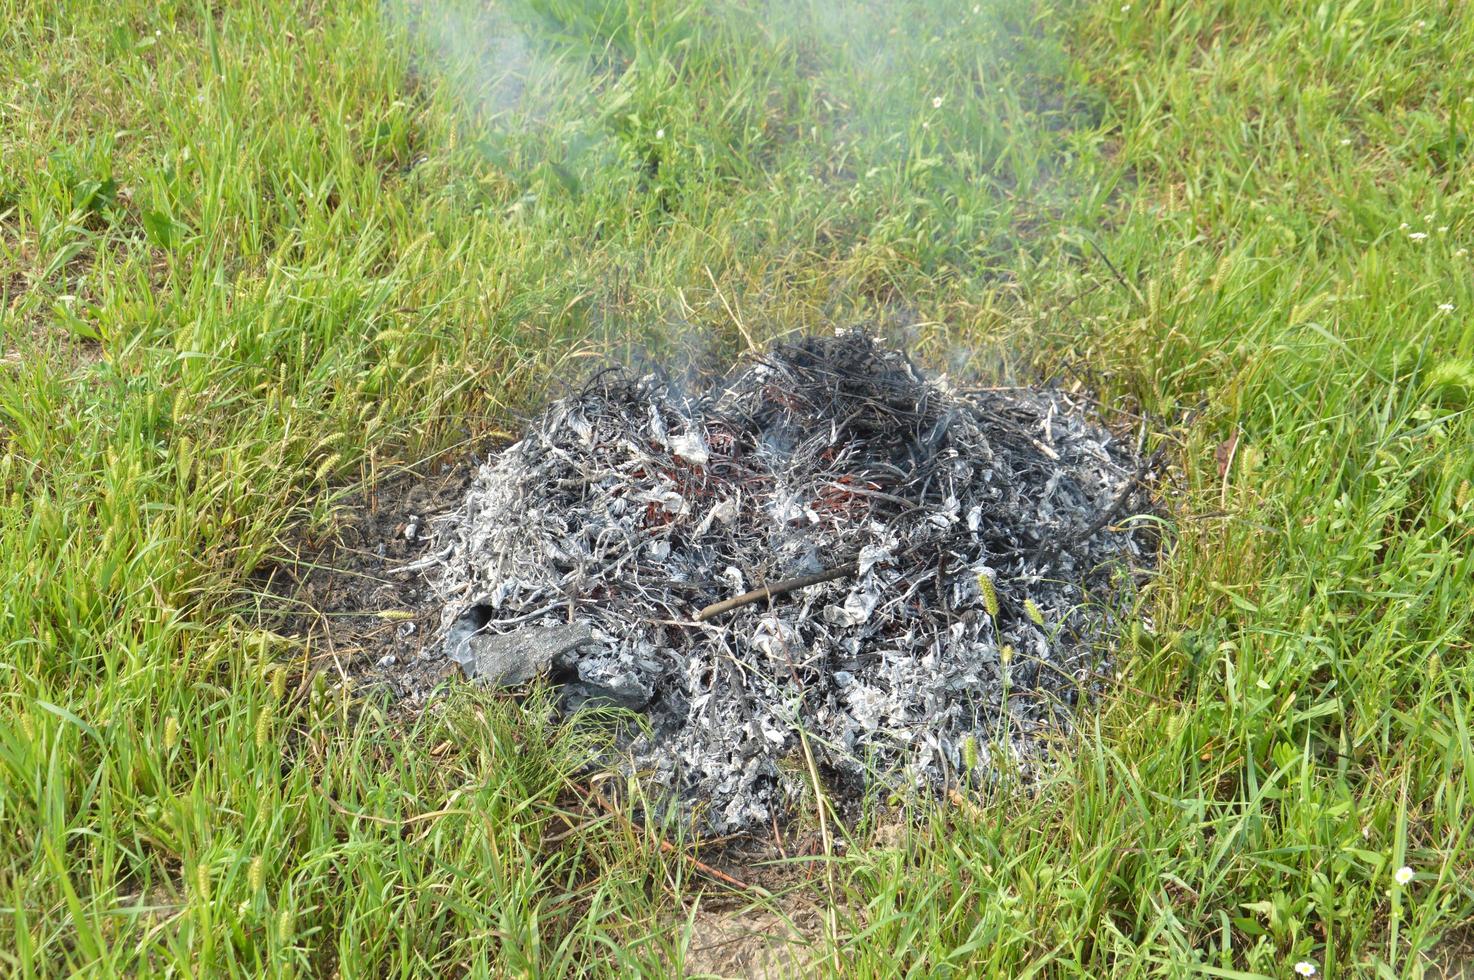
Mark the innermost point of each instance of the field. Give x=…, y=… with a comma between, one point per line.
x=256, y=257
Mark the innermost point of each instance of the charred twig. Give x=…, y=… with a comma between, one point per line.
x=845, y=570
x=777, y=589
x=944, y=602
x=1112, y=511
x=817, y=578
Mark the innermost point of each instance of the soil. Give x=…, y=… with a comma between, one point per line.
x=346, y=591
x=752, y=943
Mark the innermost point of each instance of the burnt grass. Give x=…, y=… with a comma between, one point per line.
x=343, y=590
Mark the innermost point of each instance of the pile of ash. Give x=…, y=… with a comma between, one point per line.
x=964, y=544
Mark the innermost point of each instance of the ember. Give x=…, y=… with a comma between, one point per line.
x=826, y=541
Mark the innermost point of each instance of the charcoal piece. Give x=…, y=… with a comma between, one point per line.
x=601, y=678
x=510, y=659
x=623, y=690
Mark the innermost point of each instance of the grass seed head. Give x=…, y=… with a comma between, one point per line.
x=1035, y=614
x=1452, y=381
x=990, y=594
x=263, y=727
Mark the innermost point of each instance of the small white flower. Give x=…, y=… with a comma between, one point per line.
x=977, y=8
x=1446, y=307
x=1417, y=236
x=1403, y=875
x=158, y=33
x=1459, y=253
x=1346, y=141
x=1125, y=8
x=1427, y=217
x=1305, y=968
x=1443, y=229
x=660, y=134
x=1404, y=226
x=937, y=102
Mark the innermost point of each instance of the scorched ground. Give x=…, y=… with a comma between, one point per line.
x=984, y=528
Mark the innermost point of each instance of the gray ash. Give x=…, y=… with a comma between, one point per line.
x=981, y=525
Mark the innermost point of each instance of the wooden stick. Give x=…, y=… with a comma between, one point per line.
x=829, y=575
x=777, y=589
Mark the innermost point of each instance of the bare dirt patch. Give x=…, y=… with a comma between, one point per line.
x=756, y=944
x=345, y=590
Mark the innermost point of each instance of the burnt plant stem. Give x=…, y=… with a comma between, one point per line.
x=1106, y=516
x=804, y=581
x=777, y=589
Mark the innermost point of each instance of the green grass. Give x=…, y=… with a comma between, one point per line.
x=253, y=253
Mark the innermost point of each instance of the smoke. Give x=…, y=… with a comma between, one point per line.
x=486, y=58
x=791, y=163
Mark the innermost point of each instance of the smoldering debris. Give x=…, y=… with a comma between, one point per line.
x=965, y=546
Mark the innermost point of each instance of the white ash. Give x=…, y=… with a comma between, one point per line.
x=632, y=504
